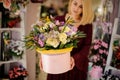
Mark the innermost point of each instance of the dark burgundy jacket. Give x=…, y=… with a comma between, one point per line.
x=80, y=55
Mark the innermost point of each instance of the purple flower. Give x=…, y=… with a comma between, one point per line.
x=62, y=23
x=69, y=33
x=42, y=37
x=74, y=29
x=40, y=42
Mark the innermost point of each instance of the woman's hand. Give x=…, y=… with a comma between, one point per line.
x=72, y=63
x=40, y=64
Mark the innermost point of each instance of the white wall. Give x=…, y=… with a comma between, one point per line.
x=31, y=17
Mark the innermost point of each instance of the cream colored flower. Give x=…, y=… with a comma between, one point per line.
x=46, y=25
x=52, y=42
x=63, y=38
x=67, y=29
x=41, y=29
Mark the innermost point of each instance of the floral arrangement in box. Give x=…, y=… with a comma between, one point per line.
x=116, y=54
x=98, y=57
x=18, y=73
x=50, y=34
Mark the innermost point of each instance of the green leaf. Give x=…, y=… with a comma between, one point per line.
x=61, y=46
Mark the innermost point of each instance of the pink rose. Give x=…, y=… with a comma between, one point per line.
x=105, y=44
x=96, y=72
x=96, y=47
x=101, y=51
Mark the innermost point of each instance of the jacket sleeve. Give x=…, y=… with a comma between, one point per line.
x=81, y=57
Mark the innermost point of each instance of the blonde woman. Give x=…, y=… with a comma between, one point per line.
x=81, y=12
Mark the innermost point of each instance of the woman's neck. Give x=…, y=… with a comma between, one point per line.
x=76, y=18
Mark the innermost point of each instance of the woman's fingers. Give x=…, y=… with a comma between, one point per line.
x=40, y=64
x=72, y=63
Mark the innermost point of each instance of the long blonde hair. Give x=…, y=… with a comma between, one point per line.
x=87, y=14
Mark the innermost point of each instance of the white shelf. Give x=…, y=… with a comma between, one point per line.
x=11, y=61
x=11, y=29
x=113, y=68
x=114, y=37
x=17, y=33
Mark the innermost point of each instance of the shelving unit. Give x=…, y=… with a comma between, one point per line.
x=115, y=36
x=17, y=33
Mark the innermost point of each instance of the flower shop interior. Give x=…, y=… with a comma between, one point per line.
x=17, y=18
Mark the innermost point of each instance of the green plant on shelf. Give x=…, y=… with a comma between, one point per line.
x=116, y=54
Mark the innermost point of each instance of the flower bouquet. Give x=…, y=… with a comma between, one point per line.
x=17, y=73
x=98, y=57
x=54, y=40
x=16, y=48
x=99, y=52
x=115, y=62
